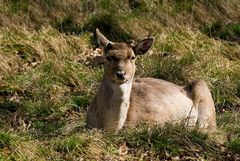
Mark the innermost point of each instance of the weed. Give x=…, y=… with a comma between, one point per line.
x=184, y=5
x=229, y=32
x=69, y=144
x=234, y=145
x=45, y=128
x=138, y=6
x=80, y=102
x=108, y=24
x=160, y=141
x=16, y=5
x=5, y=140
x=11, y=106
x=67, y=25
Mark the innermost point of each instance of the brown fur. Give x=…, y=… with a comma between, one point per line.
x=121, y=100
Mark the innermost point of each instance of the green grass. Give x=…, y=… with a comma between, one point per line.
x=5, y=140
x=193, y=56
x=47, y=79
x=219, y=30
x=73, y=143
x=234, y=145
x=163, y=141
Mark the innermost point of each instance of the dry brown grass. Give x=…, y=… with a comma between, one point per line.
x=49, y=74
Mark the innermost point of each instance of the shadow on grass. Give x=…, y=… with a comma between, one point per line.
x=107, y=23
x=219, y=30
x=9, y=106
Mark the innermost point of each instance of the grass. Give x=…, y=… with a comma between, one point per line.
x=164, y=142
x=193, y=56
x=234, y=145
x=47, y=79
x=219, y=30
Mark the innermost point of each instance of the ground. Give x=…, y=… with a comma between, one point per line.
x=51, y=67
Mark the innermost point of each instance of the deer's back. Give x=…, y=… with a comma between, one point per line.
x=158, y=100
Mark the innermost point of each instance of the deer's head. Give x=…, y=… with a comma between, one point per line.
x=120, y=64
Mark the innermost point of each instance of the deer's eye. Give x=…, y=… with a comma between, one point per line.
x=108, y=58
x=112, y=58
x=131, y=57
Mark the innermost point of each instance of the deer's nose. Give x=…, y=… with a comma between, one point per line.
x=120, y=74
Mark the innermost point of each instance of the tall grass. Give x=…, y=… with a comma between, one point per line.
x=47, y=79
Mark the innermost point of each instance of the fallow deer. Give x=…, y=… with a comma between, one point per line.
x=122, y=100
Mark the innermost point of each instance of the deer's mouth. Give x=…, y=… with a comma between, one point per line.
x=120, y=80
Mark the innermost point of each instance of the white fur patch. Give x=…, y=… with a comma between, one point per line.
x=121, y=101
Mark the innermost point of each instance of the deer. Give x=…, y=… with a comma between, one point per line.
x=122, y=100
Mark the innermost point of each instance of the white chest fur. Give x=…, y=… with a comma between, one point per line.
x=118, y=105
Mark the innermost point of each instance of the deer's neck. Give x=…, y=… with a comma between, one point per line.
x=113, y=103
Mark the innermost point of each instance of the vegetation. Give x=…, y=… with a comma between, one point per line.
x=50, y=70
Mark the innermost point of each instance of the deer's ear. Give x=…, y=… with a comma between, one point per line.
x=143, y=46
x=102, y=40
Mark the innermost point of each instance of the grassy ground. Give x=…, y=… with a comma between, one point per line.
x=50, y=70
